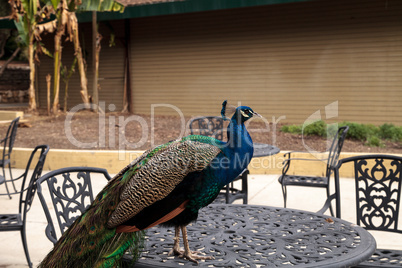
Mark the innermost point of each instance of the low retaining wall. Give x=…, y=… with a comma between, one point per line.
x=114, y=161
x=8, y=116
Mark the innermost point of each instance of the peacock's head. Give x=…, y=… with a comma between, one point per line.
x=241, y=113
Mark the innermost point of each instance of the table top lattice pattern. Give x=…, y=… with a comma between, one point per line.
x=260, y=236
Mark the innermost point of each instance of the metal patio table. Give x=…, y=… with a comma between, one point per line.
x=263, y=149
x=262, y=236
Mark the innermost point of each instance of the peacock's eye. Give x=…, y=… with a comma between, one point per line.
x=246, y=113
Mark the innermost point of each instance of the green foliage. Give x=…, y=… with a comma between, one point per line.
x=318, y=128
x=360, y=132
x=374, y=141
x=295, y=129
x=390, y=132
x=22, y=31
x=367, y=133
x=100, y=5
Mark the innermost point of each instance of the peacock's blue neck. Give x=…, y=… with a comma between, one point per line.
x=239, y=150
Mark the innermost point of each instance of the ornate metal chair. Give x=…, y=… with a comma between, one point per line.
x=212, y=126
x=378, y=186
x=17, y=222
x=71, y=192
x=311, y=181
x=8, y=144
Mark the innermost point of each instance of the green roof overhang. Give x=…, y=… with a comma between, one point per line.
x=179, y=7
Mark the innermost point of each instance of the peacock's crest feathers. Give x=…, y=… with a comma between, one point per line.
x=227, y=109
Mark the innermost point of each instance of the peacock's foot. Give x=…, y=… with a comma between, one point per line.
x=180, y=252
x=186, y=253
x=191, y=256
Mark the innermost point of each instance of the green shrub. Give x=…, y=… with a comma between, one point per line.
x=360, y=132
x=374, y=141
x=367, y=133
x=318, y=128
x=295, y=129
x=356, y=132
x=390, y=132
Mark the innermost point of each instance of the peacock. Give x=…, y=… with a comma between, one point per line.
x=167, y=185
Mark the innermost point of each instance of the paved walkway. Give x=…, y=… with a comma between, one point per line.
x=263, y=190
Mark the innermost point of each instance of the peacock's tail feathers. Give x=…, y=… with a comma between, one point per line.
x=112, y=253
x=84, y=243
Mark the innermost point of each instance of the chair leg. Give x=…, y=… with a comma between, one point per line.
x=227, y=193
x=11, y=177
x=24, y=243
x=330, y=205
x=5, y=182
x=284, y=192
x=244, y=186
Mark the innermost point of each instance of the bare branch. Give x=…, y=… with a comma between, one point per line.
x=9, y=60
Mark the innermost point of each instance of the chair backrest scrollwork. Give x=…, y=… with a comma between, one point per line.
x=71, y=192
x=211, y=126
x=378, y=183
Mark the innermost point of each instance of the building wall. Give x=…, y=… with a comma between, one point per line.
x=341, y=58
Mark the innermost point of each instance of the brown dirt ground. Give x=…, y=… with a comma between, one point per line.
x=135, y=132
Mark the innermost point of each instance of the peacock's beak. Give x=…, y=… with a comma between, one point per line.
x=256, y=114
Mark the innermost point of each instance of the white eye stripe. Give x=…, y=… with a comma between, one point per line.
x=244, y=114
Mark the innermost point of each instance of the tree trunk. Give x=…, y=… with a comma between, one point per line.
x=48, y=83
x=95, y=99
x=65, y=97
x=31, y=90
x=56, y=74
x=80, y=60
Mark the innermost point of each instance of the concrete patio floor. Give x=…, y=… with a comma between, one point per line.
x=263, y=190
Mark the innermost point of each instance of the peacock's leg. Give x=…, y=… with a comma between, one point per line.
x=191, y=255
x=176, y=246
x=176, y=250
x=186, y=252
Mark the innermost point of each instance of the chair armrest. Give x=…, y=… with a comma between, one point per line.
x=304, y=159
x=293, y=152
x=286, y=162
x=327, y=204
